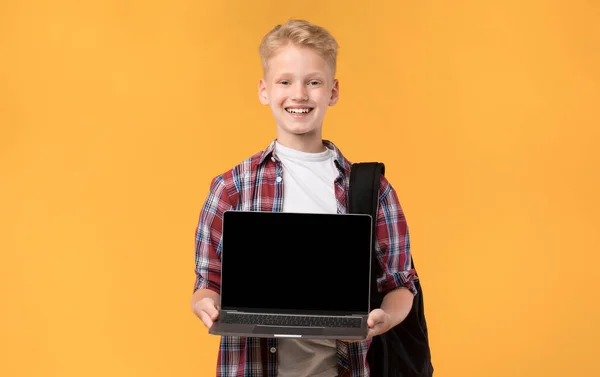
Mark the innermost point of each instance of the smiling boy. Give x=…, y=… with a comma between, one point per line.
x=299, y=172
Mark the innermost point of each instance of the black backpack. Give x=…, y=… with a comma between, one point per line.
x=403, y=351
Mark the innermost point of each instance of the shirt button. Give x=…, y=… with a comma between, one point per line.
x=273, y=159
x=273, y=349
x=278, y=179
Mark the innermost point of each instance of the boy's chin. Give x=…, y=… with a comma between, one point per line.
x=300, y=130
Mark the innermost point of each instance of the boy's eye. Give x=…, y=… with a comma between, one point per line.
x=311, y=83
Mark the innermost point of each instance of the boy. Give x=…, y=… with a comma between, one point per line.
x=299, y=172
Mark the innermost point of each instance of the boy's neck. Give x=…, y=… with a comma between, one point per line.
x=307, y=144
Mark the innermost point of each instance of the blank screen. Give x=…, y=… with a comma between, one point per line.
x=296, y=262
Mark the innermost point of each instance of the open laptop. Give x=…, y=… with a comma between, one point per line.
x=295, y=275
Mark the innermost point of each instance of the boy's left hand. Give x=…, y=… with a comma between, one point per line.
x=378, y=323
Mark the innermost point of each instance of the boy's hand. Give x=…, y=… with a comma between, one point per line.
x=378, y=323
x=207, y=310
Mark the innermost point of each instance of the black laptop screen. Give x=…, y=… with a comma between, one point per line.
x=296, y=263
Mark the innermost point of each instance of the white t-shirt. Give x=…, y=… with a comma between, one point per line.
x=308, y=186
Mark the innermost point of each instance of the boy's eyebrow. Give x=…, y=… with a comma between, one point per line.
x=316, y=73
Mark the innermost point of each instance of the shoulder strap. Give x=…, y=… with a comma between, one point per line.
x=363, y=197
x=363, y=193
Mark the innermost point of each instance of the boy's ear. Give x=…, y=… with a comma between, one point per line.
x=335, y=93
x=262, y=92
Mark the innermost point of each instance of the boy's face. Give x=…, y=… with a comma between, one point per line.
x=298, y=86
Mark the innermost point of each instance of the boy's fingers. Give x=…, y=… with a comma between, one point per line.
x=375, y=317
x=209, y=307
x=206, y=319
x=207, y=311
x=210, y=310
x=375, y=330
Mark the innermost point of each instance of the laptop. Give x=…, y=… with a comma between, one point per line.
x=295, y=275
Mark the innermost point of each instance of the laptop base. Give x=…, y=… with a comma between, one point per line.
x=262, y=331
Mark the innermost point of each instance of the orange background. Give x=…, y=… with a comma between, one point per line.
x=115, y=115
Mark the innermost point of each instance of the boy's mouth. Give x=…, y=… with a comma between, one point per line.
x=298, y=110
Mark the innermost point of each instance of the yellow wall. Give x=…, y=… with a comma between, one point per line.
x=115, y=115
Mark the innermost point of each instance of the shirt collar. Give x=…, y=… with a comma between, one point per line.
x=339, y=158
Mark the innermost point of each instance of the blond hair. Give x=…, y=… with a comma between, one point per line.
x=302, y=34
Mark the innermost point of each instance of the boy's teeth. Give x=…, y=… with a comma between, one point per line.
x=298, y=111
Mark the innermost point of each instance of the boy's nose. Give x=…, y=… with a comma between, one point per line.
x=300, y=93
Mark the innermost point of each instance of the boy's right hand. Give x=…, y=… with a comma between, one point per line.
x=207, y=310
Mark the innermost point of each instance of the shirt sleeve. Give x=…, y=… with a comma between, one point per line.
x=209, y=237
x=393, y=243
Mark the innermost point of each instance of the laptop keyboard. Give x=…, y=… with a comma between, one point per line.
x=291, y=320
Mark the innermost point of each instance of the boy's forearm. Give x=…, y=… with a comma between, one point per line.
x=397, y=304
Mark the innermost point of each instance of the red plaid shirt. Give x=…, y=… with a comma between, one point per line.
x=252, y=186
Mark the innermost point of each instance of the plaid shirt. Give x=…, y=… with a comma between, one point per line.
x=253, y=186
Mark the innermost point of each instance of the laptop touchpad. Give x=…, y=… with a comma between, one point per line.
x=304, y=331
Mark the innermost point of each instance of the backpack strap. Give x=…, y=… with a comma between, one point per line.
x=363, y=198
x=363, y=193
